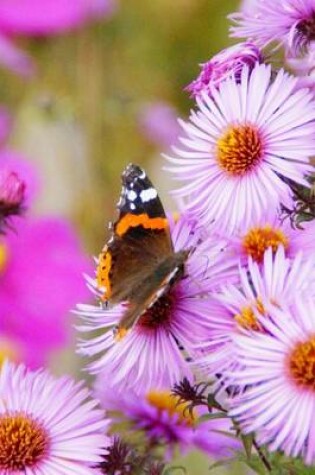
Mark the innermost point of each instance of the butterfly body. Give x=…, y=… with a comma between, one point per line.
x=138, y=264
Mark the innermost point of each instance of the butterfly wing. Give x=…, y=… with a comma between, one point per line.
x=140, y=238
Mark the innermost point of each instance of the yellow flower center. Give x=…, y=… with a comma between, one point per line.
x=240, y=149
x=301, y=364
x=165, y=401
x=23, y=442
x=8, y=351
x=3, y=257
x=247, y=318
x=259, y=239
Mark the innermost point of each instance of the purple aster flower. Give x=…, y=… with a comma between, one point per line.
x=241, y=145
x=278, y=282
x=148, y=355
x=167, y=421
x=227, y=63
x=41, y=280
x=278, y=371
x=271, y=232
x=12, y=194
x=290, y=23
x=48, y=425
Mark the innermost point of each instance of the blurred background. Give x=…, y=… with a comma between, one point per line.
x=81, y=96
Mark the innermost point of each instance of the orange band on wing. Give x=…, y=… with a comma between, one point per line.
x=134, y=220
x=102, y=273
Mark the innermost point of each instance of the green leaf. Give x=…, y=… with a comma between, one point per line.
x=247, y=441
x=212, y=416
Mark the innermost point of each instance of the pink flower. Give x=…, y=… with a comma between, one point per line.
x=278, y=282
x=41, y=266
x=48, y=425
x=240, y=147
x=12, y=193
x=290, y=23
x=42, y=18
x=271, y=232
x=278, y=372
x=49, y=17
x=165, y=420
x=228, y=63
x=158, y=122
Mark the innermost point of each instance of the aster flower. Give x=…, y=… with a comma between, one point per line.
x=227, y=63
x=148, y=354
x=48, y=425
x=279, y=282
x=166, y=420
x=240, y=147
x=272, y=232
x=290, y=23
x=41, y=279
x=12, y=194
x=278, y=370
x=42, y=18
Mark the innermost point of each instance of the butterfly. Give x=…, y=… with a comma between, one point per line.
x=138, y=265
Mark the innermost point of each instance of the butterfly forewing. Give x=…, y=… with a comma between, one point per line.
x=140, y=240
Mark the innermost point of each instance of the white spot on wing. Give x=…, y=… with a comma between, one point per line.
x=148, y=195
x=132, y=206
x=132, y=195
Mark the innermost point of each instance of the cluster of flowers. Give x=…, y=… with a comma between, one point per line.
x=235, y=337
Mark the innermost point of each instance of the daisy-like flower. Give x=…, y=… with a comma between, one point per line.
x=148, y=355
x=272, y=232
x=166, y=420
x=277, y=283
x=290, y=23
x=278, y=370
x=223, y=65
x=48, y=425
x=241, y=145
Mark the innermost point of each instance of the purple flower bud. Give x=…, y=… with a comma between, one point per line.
x=12, y=194
x=223, y=65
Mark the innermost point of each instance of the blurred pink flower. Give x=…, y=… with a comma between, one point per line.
x=158, y=123
x=42, y=18
x=41, y=266
x=12, y=193
x=14, y=162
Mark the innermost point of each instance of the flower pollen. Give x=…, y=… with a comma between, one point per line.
x=23, y=442
x=166, y=401
x=247, y=319
x=302, y=364
x=259, y=239
x=240, y=149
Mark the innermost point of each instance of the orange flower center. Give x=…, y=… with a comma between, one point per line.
x=23, y=442
x=3, y=257
x=165, y=401
x=301, y=364
x=259, y=239
x=240, y=149
x=247, y=318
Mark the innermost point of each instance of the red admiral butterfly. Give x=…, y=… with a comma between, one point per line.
x=139, y=264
